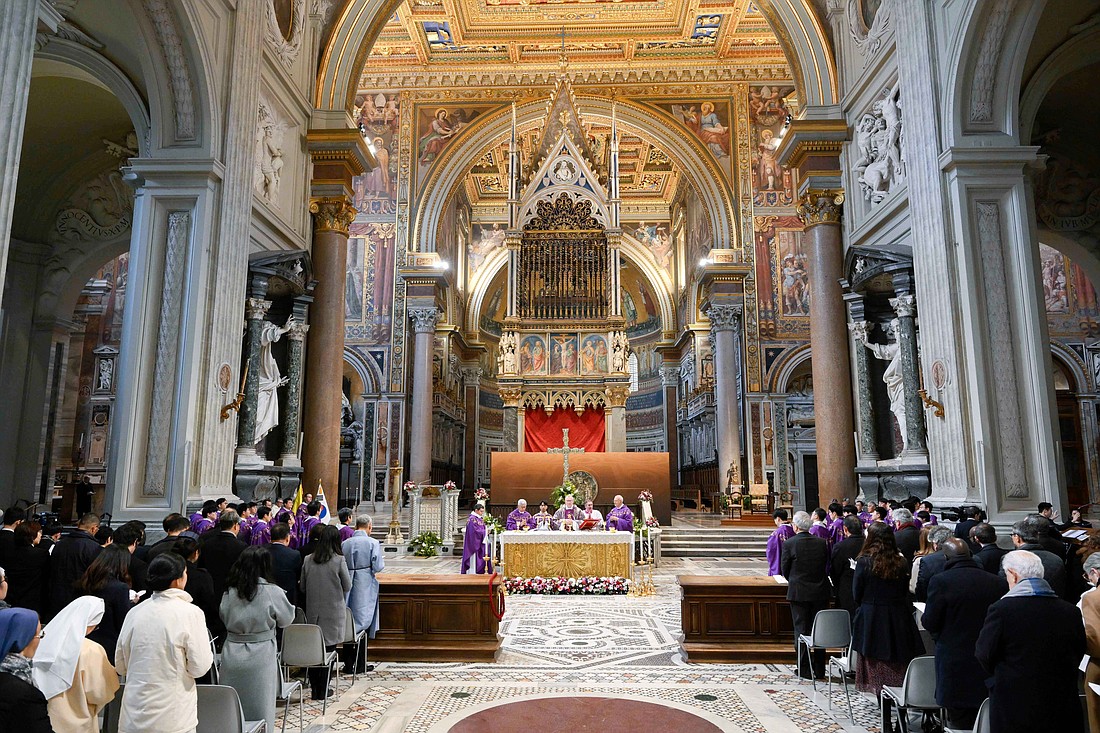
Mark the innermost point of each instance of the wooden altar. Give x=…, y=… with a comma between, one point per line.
x=567, y=554
x=532, y=476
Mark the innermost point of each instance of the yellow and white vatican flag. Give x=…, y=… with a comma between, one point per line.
x=298, y=496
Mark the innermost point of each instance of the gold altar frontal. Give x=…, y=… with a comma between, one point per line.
x=567, y=554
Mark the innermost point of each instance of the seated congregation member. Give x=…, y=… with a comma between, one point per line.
x=906, y=534
x=285, y=562
x=474, y=547
x=219, y=549
x=808, y=591
x=108, y=578
x=162, y=650
x=363, y=555
x=28, y=569
x=959, y=597
x=1031, y=645
x=22, y=705
x=620, y=518
x=519, y=518
x=261, y=528
x=1090, y=612
x=591, y=513
x=326, y=583
x=174, y=525
x=200, y=585
x=347, y=523
x=544, y=520
x=782, y=532
x=1077, y=520
x=1025, y=536
x=932, y=563
x=842, y=560
x=72, y=671
x=251, y=609
x=984, y=537
x=568, y=515
x=884, y=633
x=69, y=559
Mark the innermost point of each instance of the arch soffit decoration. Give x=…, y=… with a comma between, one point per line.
x=80, y=264
x=1072, y=363
x=1076, y=53
x=1081, y=247
x=708, y=180
x=794, y=22
x=368, y=372
x=784, y=369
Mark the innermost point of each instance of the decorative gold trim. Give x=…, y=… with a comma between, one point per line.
x=332, y=214
x=821, y=207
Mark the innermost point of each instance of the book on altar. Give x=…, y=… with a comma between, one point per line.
x=588, y=524
x=1075, y=534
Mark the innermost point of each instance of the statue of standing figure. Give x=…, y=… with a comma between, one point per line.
x=267, y=400
x=895, y=387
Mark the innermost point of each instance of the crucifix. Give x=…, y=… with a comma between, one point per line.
x=565, y=450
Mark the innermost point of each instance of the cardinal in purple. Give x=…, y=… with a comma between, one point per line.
x=783, y=532
x=520, y=518
x=620, y=518
x=303, y=527
x=261, y=529
x=473, y=545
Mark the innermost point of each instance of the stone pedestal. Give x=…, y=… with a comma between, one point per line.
x=420, y=436
x=726, y=326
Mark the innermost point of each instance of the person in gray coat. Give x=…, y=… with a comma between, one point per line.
x=251, y=609
x=363, y=555
x=326, y=583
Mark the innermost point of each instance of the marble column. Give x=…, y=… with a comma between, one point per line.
x=868, y=450
x=905, y=307
x=670, y=379
x=820, y=211
x=292, y=409
x=325, y=355
x=779, y=417
x=471, y=380
x=726, y=329
x=420, y=434
x=255, y=310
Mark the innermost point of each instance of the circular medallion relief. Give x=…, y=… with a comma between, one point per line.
x=564, y=171
x=587, y=488
x=224, y=377
x=939, y=374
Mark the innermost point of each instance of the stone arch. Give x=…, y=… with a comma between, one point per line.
x=368, y=372
x=784, y=369
x=1078, y=52
x=1081, y=247
x=1071, y=363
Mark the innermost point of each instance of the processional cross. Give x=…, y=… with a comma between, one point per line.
x=565, y=450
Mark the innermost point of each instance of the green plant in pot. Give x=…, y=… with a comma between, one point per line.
x=426, y=544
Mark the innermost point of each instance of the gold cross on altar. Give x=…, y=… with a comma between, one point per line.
x=565, y=450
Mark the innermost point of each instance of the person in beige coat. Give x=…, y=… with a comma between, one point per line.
x=72, y=671
x=162, y=648
x=1090, y=612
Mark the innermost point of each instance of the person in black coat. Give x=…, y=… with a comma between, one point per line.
x=28, y=569
x=933, y=564
x=842, y=566
x=286, y=563
x=958, y=600
x=200, y=586
x=174, y=525
x=70, y=558
x=969, y=521
x=803, y=564
x=1050, y=536
x=218, y=550
x=989, y=556
x=1031, y=645
x=22, y=705
x=13, y=517
x=130, y=536
x=1025, y=536
x=108, y=577
x=906, y=534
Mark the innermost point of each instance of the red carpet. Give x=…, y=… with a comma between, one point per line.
x=581, y=714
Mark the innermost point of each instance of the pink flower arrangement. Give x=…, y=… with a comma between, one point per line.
x=645, y=496
x=481, y=495
x=410, y=485
x=652, y=522
x=558, y=586
x=449, y=486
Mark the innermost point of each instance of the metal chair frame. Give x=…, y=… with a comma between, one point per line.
x=327, y=658
x=832, y=634
x=919, y=682
x=351, y=636
x=844, y=666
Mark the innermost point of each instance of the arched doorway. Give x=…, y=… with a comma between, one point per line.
x=1070, y=433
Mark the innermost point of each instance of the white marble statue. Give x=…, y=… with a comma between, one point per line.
x=620, y=349
x=878, y=162
x=507, y=362
x=895, y=387
x=267, y=399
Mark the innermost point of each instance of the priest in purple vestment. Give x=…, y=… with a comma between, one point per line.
x=783, y=532
x=203, y=520
x=347, y=528
x=302, y=528
x=261, y=528
x=836, y=524
x=473, y=544
x=519, y=518
x=569, y=515
x=620, y=518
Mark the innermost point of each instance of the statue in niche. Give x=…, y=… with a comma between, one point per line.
x=620, y=350
x=506, y=355
x=267, y=399
x=106, y=375
x=895, y=387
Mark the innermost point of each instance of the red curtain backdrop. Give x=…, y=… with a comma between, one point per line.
x=542, y=431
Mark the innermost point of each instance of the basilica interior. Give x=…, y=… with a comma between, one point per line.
x=293, y=244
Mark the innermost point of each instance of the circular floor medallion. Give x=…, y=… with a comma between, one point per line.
x=582, y=714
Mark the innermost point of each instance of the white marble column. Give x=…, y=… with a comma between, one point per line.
x=615, y=414
x=420, y=435
x=726, y=325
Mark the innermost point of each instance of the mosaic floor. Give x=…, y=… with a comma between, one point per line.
x=557, y=647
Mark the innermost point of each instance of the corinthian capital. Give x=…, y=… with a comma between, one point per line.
x=725, y=317
x=820, y=207
x=904, y=305
x=256, y=308
x=297, y=331
x=424, y=319
x=332, y=214
x=861, y=330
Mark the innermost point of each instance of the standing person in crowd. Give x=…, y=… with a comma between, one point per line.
x=885, y=634
x=204, y=520
x=326, y=583
x=51, y=533
x=1031, y=645
x=174, y=526
x=306, y=549
x=286, y=563
x=22, y=705
x=783, y=532
x=864, y=513
x=28, y=569
x=988, y=556
x=70, y=558
x=808, y=590
x=104, y=536
x=820, y=525
x=969, y=521
x=162, y=649
x=906, y=533
x=958, y=599
x=248, y=518
x=363, y=555
x=251, y=609
x=283, y=512
x=72, y=671
x=1050, y=536
x=932, y=563
x=880, y=514
x=1025, y=536
x=200, y=584
x=218, y=551
x=347, y=523
x=3, y=589
x=309, y=519
x=108, y=577
x=261, y=528
x=474, y=549
x=842, y=565
x=13, y=517
x=836, y=524
x=1090, y=612
x=130, y=536
x=926, y=506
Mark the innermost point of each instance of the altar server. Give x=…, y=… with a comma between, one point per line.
x=620, y=518
x=520, y=518
x=544, y=519
x=568, y=515
x=783, y=532
x=473, y=545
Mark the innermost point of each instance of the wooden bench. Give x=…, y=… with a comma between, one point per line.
x=688, y=493
x=728, y=619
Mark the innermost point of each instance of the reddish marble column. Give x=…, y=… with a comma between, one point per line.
x=325, y=351
x=420, y=426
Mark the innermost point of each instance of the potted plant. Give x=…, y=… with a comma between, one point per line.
x=426, y=544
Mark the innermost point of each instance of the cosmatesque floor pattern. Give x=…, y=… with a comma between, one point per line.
x=570, y=647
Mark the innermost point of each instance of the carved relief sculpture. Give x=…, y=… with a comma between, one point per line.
x=878, y=165
x=269, y=153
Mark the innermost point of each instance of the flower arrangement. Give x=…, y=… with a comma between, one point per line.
x=645, y=496
x=449, y=486
x=558, y=586
x=639, y=523
x=410, y=485
x=426, y=544
x=481, y=494
x=652, y=522
x=492, y=524
x=567, y=488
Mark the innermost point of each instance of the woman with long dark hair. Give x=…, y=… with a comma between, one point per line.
x=28, y=567
x=326, y=582
x=108, y=577
x=251, y=609
x=885, y=635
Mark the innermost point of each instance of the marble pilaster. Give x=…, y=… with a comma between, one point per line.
x=292, y=409
x=471, y=380
x=420, y=435
x=616, y=418
x=726, y=331
x=905, y=308
x=255, y=311
x=670, y=380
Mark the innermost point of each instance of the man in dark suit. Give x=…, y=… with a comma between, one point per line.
x=71, y=556
x=1050, y=536
x=218, y=550
x=842, y=565
x=969, y=521
x=989, y=555
x=1030, y=645
x=931, y=564
x=1025, y=536
x=958, y=599
x=51, y=533
x=803, y=564
x=13, y=517
x=129, y=536
x=174, y=525
x=906, y=533
x=286, y=563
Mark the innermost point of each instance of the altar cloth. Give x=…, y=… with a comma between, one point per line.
x=567, y=554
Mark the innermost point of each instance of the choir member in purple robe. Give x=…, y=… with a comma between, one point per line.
x=261, y=528
x=820, y=526
x=311, y=520
x=569, y=515
x=926, y=506
x=347, y=528
x=206, y=518
x=836, y=524
x=248, y=519
x=303, y=509
x=783, y=532
x=283, y=511
x=474, y=549
x=620, y=518
x=519, y=518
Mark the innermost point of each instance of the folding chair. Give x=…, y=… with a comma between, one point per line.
x=843, y=666
x=288, y=687
x=981, y=723
x=832, y=630
x=917, y=691
x=351, y=636
x=215, y=668
x=304, y=647
x=220, y=712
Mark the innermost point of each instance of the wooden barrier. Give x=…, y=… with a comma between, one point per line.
x=735, y=619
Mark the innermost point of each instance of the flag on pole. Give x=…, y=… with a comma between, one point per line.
x=324, y=515
x=297, y=500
